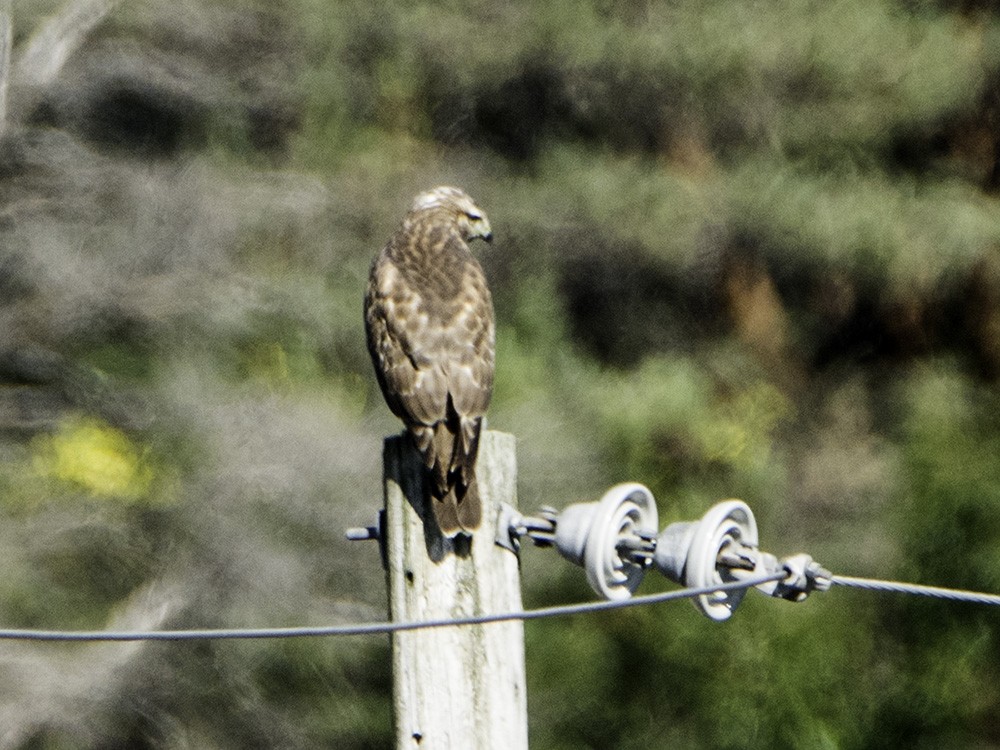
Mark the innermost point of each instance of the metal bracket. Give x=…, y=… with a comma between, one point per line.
x=805, y=575
x=510, y=528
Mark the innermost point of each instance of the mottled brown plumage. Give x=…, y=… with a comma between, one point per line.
x=431, y=336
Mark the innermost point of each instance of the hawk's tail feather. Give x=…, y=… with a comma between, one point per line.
x=446, y=513
x=468, y=448
x=470, y=508
x=440, y=457
x=450, y=452
x=459, y=511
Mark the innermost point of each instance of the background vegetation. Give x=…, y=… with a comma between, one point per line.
x=744, y=249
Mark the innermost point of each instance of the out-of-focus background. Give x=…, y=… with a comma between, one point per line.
x=743, y=249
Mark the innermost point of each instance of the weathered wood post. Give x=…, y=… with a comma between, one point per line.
x=454, y=687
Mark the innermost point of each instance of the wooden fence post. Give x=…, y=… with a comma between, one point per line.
x=454, y=687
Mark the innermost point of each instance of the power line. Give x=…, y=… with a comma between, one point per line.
x=378, y=628
x=383, y=628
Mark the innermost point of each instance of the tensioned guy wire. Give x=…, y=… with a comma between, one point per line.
x=897, y=587
x=382, y=628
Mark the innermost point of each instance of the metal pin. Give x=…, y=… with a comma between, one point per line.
x=359, y=534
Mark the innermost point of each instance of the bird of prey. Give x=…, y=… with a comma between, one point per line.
x=431, y=336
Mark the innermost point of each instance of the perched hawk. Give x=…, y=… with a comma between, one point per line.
x=431, y=336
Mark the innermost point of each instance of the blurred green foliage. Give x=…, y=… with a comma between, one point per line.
x=743, y=249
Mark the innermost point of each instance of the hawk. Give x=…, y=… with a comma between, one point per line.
x=431, y=336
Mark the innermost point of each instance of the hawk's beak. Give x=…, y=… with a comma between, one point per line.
x=479, y=226
x=483, y=230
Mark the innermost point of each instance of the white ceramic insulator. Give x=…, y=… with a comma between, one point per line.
x=625, y=509
x=725, y=522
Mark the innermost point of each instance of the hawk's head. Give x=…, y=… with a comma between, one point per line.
x=471, y=219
